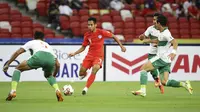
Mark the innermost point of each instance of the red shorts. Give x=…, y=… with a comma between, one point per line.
x=88, y=62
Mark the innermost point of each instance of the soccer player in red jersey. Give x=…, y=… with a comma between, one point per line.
x=95, y=56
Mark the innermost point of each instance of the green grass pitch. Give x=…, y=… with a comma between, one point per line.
x=102, y=97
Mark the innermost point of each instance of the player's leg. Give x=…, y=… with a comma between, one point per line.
x=15, y=79
x=143, y=78
x=173, y=83
x=82, y=72
x=157, y=83
x=97, y=64
x=86, y=64
x=48, y=65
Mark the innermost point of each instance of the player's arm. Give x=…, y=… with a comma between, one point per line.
x=120, y=44
x=81, y=49
x=13, y=57
x=57, y=67
x=175, y=46
x=142, y=37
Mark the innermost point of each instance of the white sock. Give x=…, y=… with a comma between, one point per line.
x=12, y=91
x=85, y=89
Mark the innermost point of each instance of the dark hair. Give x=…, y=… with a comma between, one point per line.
x=156, y=14
x=92, y=19
x=162, y=20
x=39, y=35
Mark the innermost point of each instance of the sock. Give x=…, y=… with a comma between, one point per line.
x=15, y=79
x=52, y=82
x=173, y=83
x=55, y=86
x=90, y=80
x=143, y=77
x=182, y=84
x=143, y=88
x=154, y=74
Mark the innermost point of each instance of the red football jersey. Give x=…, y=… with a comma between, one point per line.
x=95, y=40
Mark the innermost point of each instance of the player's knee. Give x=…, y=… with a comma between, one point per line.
x=82, y=73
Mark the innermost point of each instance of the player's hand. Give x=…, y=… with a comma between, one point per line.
x=123, y=49
x=141, y=37
x=5, y=68
x=172, y=56
x=71, y=55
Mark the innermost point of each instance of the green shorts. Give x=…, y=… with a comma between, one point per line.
x=44, y=60
x=160, y=64
x=155, y=71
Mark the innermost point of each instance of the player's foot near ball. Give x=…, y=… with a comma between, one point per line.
x=59, y=96
x=189, y=87
x=11, y=96
x=139, y=93
x=84, y=92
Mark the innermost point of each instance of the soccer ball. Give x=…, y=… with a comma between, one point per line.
x=68, y=90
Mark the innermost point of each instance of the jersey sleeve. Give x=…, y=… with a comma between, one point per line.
x=169, y=37
x=85, y=41
x=147, y=32
x=27, y=46
x=106, y=33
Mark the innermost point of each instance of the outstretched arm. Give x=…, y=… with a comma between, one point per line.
x=120, y=44
x=57, y=65
x=13, y=57
x=77, y=52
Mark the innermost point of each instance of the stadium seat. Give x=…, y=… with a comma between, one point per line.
x=118, y=24
x=196, y=36
x=27, y=35
x=128, y=31
x=4, y=5
x=149, y=19
x=16, y=30
x=75, y=12
x=139, y=19
x=192, y=20
x=140, y=25
x=16, y=35
x=26, y=24
x=83, y=12
x=182, y=20
x=83, y=31
x=38, y=29
x=75, y=25
x=174, y=31
x=117, y=19
x=129, y=20
x=5, y=35
x=84, y=25
x=173, y=25
x=128, y=38
x=139, y=31
x=64, y=18
x=4, y=17
x=15, y=24
x=15, y=12
x=76, y=31
x=106, y=19
x=15, y=18
x=172, y=20
x=60, y=36
x=27, y=30
x=129, y=25
x=84, y=18
x=26, y=18
x=118, y=31
x=4, y=11
x=195, y=31
x=74, y=18
x=41, y=9
x=49, y=35
x=184, y=25
x=114, y=13
x=65, y=25
x=93, y=6
x=195, y=26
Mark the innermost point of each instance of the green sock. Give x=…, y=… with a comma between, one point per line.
x=154, y=74
x=15, y=79
x=173, y=83
x=52, y=82
x=143, y=78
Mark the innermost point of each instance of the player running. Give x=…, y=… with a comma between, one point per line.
x=163, y=59
x=95, y=56
x=146, y=37
x=42, y=57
